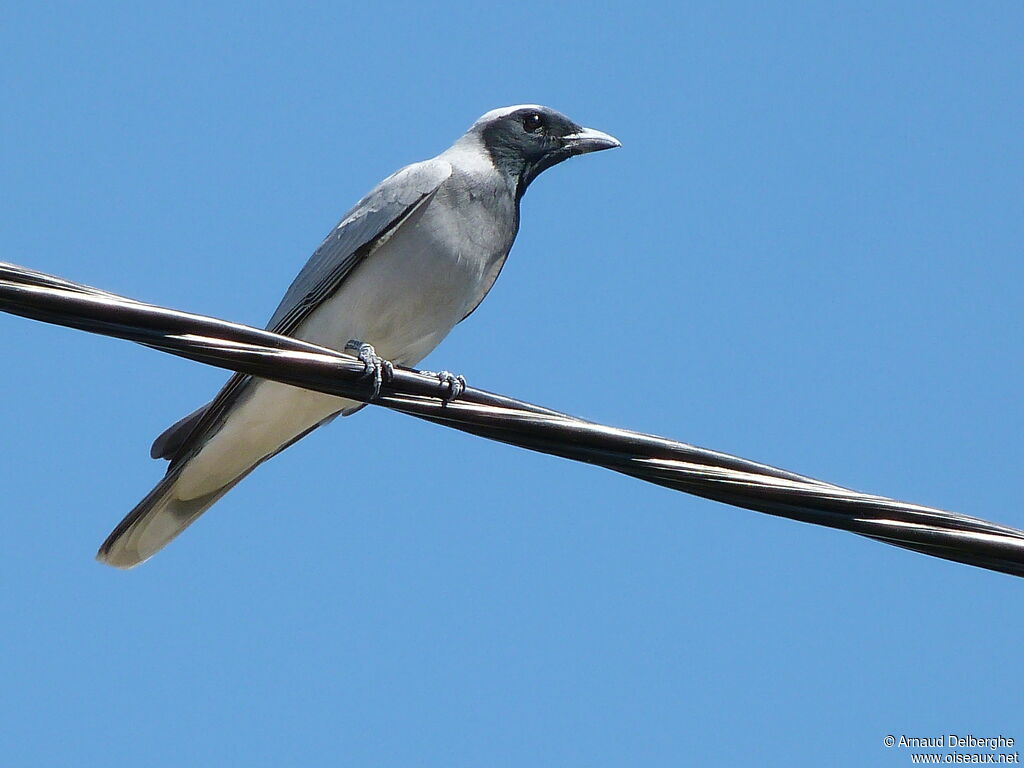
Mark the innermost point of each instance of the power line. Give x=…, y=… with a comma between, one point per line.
x=699, y=471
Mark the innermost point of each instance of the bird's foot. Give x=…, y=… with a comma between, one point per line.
x=456, y=384
x=375, y=366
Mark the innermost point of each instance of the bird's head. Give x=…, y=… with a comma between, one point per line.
x=524, y=140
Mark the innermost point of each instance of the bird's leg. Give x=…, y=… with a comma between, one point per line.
x=375, y=366
x=456, y=384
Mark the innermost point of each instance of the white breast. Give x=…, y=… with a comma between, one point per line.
x=404, y=299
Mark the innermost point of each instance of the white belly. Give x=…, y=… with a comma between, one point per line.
x=404, y=299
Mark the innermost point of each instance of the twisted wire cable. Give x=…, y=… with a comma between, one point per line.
x=682, y=467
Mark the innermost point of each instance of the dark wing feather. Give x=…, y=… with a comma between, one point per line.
x=387, y=205
x=355, y=236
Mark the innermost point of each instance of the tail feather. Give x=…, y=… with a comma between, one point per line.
x=155, y=522
x=161, y=516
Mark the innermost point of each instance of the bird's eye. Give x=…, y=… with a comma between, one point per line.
x=533, y=122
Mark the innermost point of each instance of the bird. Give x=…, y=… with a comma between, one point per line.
x=408, y=262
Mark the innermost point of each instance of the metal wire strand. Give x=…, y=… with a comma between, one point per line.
x=699, y=471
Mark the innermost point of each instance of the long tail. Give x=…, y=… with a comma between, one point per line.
x=155, y=522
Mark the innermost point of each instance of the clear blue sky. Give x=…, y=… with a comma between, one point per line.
x=807, y=252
